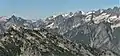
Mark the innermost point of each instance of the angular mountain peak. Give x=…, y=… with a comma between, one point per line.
x=13, y=16
x=15, y=19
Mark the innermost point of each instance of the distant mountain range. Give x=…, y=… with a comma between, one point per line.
x=96, y=32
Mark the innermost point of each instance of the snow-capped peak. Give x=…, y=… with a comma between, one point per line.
x=83, y=13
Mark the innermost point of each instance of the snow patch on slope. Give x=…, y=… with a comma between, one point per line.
x=76, y=25
x=117, y=25
x=67, y=15
x=51, y=25
x=101, y=17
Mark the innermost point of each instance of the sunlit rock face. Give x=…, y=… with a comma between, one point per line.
x=3, y=19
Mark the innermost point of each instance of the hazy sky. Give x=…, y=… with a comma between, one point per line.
x=32, y=9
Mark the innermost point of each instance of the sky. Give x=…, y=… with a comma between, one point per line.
x=37, y=9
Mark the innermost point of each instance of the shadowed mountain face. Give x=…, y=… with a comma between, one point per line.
x=16, y=20
x=116, y=32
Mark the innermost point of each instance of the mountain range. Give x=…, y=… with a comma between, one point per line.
x=94, y=33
